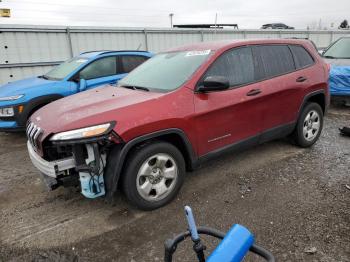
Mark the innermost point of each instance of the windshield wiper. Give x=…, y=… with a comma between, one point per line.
x=135, y=87
x=329, y=56
x=44, y=77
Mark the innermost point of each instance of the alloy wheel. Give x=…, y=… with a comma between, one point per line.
x=157, y=177
x=311, y=126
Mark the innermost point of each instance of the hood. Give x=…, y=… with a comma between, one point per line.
x=22, y=86
x=337, y=62
x=89, y=108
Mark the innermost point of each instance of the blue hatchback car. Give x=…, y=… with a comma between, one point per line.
x=20, y=99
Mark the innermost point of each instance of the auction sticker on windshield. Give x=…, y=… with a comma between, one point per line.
x=193, y=53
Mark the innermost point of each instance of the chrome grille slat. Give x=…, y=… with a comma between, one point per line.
x=29, y=129
x=37, y=134
x=28, y=126
x=33, y=133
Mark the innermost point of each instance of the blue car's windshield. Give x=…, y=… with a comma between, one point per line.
x=165, y=72
x=340, y=49
x=61, y=71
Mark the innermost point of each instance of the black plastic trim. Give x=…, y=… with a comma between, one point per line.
x=308, y=96
x=117, y=156
x=277, y=132
x=267, y=135
x=241, y=145
x=12, y=130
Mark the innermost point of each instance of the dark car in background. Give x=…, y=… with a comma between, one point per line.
x=276, y=26
x=338, y=56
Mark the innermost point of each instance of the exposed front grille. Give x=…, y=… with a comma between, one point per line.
x=33, y=133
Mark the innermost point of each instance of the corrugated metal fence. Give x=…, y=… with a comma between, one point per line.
x=33, y=50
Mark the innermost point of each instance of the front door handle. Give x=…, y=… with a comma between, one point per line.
x=301, y=79
x=254, y=92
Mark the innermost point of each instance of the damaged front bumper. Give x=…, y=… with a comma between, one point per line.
x=85, y=168
x=53, y=168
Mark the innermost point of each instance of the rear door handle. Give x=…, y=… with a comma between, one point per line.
x=254, y=92
x=301, y=79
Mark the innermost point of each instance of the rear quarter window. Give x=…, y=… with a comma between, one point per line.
x=274, y=60
x=302, y=57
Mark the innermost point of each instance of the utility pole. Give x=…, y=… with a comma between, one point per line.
x=216, y=21
x=171, y=19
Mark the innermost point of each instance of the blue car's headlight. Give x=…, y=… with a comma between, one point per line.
x=11, y=98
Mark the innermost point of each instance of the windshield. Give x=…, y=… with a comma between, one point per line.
x=167, y=71
x=61, y=71
x=340, y=49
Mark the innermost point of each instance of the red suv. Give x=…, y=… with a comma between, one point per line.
x=177, y=110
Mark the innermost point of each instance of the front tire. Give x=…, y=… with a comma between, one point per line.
x=309, y=125
x=154, y=175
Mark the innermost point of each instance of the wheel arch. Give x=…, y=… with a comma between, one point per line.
x=318, y=97
x=34, y=104
x=119, y=153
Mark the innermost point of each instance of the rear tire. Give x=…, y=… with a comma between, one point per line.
x=154, y=175
x=309, y=125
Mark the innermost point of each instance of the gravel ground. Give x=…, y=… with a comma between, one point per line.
x=296, y=202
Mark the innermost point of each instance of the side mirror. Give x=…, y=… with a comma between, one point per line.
x=82, y=85
x=214, y=83
x=321, y=51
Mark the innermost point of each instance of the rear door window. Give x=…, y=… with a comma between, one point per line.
x=130, y=62
x=274, y=60
x=100, y=68
x=302, y=57
x=237, y=65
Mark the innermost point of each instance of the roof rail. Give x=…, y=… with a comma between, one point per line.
x=304, y=38
x=112, y=51
x=294, y=37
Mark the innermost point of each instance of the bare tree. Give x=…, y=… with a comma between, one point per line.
x=344, y=25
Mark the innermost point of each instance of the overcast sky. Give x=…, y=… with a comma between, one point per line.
x=249, y=14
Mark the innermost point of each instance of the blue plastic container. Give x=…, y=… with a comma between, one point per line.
x=87, y=184
x=234, y=246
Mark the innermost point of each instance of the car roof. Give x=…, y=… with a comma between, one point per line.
x=92, y=54
x=275, y=24
x=216, y=45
